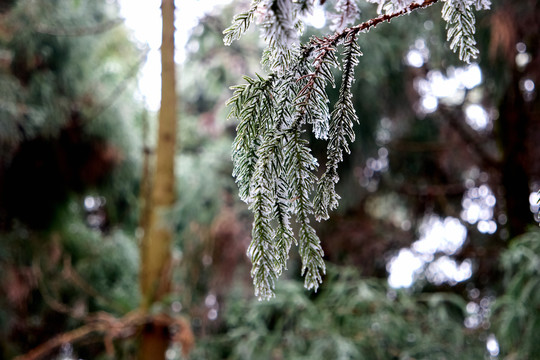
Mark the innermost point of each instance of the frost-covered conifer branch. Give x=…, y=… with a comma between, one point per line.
x=341, y=132
x=241, y=23
x=460, y=23
x=252, y=104
x=280, y=30
x=299, y=167
x=273, y=164
x=283, y=236
x=347, y=13
x=261, y=251
x=312, y=100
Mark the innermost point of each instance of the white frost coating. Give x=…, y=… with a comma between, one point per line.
x=483, y=4
x=391, y=6
x=280, y=30
x=460, y=20
x=321, y=127
x=347, y=13
x=289, y=36
x=278, y=25
x=462, y=4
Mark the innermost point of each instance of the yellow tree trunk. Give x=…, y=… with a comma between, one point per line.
x=155, y=276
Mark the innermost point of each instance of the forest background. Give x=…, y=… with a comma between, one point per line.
x=442, y=177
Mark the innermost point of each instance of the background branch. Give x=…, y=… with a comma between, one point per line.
x=110, y=328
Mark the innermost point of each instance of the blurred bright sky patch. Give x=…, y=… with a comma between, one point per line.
x=144, y=19
x=438, y=237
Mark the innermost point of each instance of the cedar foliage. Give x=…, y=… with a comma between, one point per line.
x=275, y=170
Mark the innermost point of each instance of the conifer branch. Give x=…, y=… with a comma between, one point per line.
x=280, y=30
x=251, y=103
x=341, y=133
x=283, y=236
x=333, y=40
x=347, y=13
x=299, y=167
x=273, y=164
x=312, y=100
x=241, y=23
x=460, y=23
x=261, y=251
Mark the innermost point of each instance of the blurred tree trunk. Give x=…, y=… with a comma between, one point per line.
x=515, y=122
x=519, y=118
x=155, y=276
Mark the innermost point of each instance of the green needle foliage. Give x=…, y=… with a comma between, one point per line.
x=273, y=164
x=363, y=319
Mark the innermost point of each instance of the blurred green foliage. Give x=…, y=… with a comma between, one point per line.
x=349, y=318
x=516, y=313
x=69, y=169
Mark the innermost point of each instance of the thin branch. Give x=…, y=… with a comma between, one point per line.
x=70, y=274
x=119, y=89
x=109, y=327
x=79, y=31
x=332, y=40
